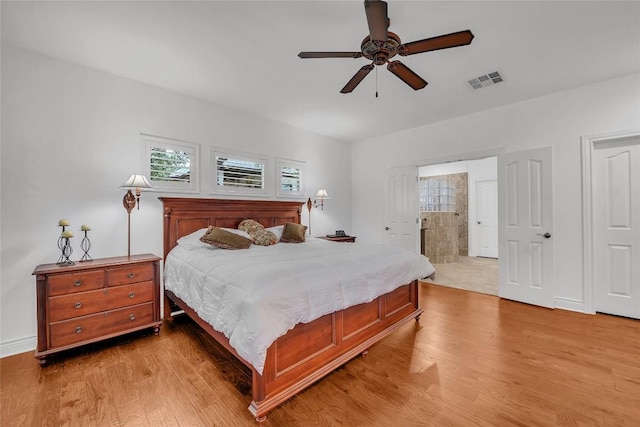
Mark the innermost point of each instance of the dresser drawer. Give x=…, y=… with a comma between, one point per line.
x=98, y=325
x=83, y=303
x=76, y=282
x=130, y=274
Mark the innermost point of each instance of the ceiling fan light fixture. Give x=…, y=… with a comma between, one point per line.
x=381, y=45
x=374, y=49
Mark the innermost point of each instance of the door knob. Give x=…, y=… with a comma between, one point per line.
x=387, y=228
x=545, y=235
x=479, y=222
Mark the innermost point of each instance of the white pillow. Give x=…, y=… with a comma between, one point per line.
x=277, y=230
x=192, y=241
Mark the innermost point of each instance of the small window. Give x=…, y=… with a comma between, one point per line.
x=290, y=178
x=171, y=164
x=437, y=194
x=238, y=173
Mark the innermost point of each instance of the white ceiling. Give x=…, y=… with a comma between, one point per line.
x=243, y=54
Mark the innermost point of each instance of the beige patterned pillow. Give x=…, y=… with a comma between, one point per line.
x=293, y=233
x=264, y=238
x=224, y=239
x=250, y=226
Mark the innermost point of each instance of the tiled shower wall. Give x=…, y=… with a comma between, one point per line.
x=445, y=235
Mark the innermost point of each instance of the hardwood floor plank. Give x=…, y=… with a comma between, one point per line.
x=473, y=359
x=132, y=414
x=100, y=401
x=74, y=404
x=13, y=407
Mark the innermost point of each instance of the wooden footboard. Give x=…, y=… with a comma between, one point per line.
x=312, y=350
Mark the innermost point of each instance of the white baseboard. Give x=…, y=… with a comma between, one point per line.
x=23, y=345
x=569, y=304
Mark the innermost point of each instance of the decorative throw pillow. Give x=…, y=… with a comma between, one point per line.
x=264, y=238
x=250, y=226
x=224, y=239
x=192, y=241
x=293, y=233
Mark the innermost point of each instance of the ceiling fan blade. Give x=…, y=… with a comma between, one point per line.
x=405, y=74
x=306, y=55
x=377, y=19
x=357, y=78
x=461, y=38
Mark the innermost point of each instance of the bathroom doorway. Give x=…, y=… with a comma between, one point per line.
x=458, y=211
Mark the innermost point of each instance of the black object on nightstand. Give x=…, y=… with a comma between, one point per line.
x=335, y=238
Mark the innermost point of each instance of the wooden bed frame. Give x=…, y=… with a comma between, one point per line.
x=309, y=351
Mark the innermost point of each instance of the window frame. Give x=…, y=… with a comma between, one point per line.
x=193, y=184
x=301, y=166
x=240, y=156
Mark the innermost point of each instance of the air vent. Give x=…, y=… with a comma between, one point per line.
x=485, y=80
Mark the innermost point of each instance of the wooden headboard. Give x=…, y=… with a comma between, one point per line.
x=183, y=216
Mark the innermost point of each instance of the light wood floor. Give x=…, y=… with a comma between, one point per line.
x=472, y=360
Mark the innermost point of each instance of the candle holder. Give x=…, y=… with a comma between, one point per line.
x=67, y=250
x=64, y=245
x=61, y=239
x=85, y=245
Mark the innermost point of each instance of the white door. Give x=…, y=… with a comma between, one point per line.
x=487, y=218
x=616, y=229
x=401, y=211
x=525, y=216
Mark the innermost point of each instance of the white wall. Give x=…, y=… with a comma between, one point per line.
x=557, y=120
x=71, y=137
x=476, y=170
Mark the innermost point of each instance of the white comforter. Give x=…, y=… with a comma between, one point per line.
x=256, y=295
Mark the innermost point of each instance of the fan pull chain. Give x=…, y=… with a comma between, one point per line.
x=376, y=82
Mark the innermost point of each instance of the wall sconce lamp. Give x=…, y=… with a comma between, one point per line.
x=320, y=197
x=138, y=182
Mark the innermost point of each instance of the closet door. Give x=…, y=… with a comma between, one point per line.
x=616, y=227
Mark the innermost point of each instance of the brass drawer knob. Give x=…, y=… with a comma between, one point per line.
x=78, y=329
x=131, y=275
x=132, y=316
x=77, y=282
x=132, y=294
x=77, y=305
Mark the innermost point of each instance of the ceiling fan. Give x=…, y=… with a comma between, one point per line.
x=381, y=45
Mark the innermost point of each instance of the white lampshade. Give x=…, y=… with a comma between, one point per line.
x=137, y=181
x=322, y=195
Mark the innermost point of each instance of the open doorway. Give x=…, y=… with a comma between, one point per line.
x=459, y=233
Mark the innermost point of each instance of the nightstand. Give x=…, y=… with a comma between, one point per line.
x=350, y=239
x=95, y=300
